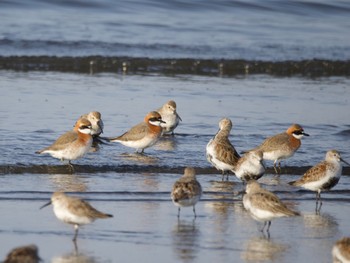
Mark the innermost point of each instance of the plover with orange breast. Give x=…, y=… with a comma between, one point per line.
x=72, y=144
x=282, y=145
x=144, y=134
x=220, y=152
x=323, y=176
x=74, y=211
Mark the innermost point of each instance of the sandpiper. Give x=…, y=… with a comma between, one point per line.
x=170, y=116
x=323, y=176
x=341, y=251
x=24, y=254
x=75, y=211
x=250, y=166
x=186, y=191
x=264, y=205
x=220, y=152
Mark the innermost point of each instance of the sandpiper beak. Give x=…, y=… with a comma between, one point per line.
x=344, y=161
x=47, y=204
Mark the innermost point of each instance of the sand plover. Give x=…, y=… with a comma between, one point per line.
x=250, y=166
x=144, y=134
x=341, y=251
x=75, y=211
x=73, y=144
x=323, y=176
x=264, y=205
x=186, y=191
x=283, y=145
x=25, y=254
x=219, y=151
x=170, y=116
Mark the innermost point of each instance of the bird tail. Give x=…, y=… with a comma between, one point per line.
x=107, y=139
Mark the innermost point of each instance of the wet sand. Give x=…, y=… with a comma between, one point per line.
x=145, y=224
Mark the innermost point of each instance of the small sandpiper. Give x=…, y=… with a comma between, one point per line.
x=75, y=211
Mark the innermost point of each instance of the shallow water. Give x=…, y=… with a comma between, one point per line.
x=258, y=30
x=39, y=106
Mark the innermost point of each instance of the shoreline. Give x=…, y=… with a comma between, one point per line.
x=64, y=169
x=176, y=66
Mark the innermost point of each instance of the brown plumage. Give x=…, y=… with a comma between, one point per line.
x=264, y=205
x=219, y=151
x=73, y=144
x=170, y=116
x=341, y=250
x=186, y=191
x=142, y=135
x=25, y=254
x=323, y=176
x=75, y=211
x=282, y=145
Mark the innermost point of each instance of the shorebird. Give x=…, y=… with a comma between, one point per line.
x=170, y=116
x=97, y=126
x=220, y=152
x=73, y=144
x=323, y=176
x=264, y=205
x=283, y=145
x=341, y=251
x=72, y=210
x=250, y=166
x=144, y=134
x=96, y=122
x=186, y=191
x=25, y=254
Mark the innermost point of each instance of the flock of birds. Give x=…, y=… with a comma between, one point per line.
x=261, y=204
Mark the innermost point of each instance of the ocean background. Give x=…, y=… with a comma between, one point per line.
x=61, y=59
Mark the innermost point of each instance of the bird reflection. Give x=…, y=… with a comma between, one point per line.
x=185, y=237
x=222, y=198
x=149, y=182
x=166, y=143
x=68, y=183
x=75, y=256
x=260, y=249
x=320, y=225
x=139, y=157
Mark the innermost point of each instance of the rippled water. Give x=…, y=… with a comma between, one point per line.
x=267, y=30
